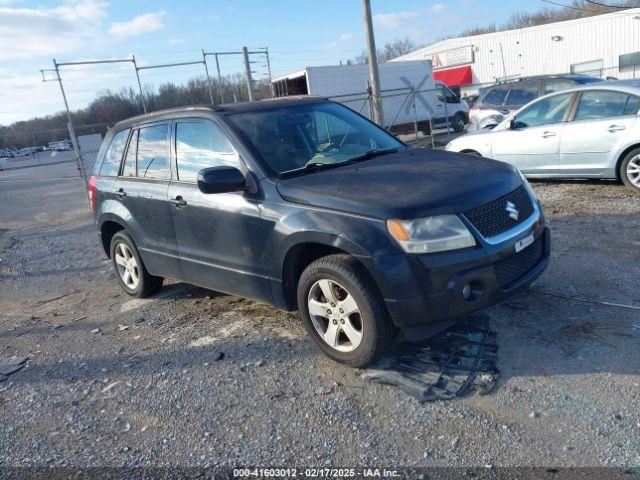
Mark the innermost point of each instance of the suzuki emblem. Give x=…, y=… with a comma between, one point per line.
x=512, y=210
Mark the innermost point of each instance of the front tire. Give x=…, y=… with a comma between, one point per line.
x=343, y=312
x=130, y=271
x=630, y=170
x=458, y=123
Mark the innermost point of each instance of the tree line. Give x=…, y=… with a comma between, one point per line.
x=111, y=106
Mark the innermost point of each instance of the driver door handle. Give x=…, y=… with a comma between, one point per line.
x=616, y=128
x=548, y=134
x=178, y=201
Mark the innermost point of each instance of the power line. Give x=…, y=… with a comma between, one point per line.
x=594, y=12
x=608, y=6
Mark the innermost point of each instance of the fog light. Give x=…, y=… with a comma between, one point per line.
x=472, y=291
x=466, y=292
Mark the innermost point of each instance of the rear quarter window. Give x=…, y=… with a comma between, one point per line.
x=632, y=106
x=113, y=155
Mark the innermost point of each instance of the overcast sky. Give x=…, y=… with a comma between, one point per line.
x=298, y=33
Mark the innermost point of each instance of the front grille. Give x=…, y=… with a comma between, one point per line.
x=493, y=218
x=514, y=267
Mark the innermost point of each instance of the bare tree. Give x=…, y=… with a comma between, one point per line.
x=389, y=51
x=111, y=106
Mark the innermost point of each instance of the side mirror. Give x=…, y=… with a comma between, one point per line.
x=453, y=99
x=512, y=124
x=221, y=180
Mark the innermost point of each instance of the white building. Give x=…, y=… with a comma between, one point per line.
x=604, y=45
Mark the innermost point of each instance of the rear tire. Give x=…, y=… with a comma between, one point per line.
x=630, y=170
x=351, y=315
x=130, y=271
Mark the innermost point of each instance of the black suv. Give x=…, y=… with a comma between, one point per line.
x=304, y=204
x=496, y=102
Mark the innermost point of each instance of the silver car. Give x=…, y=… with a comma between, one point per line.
x=587, y=132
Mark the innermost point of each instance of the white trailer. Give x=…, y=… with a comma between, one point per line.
x=348, y=84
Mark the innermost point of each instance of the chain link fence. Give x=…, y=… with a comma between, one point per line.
x=419, y=117
x=54, y=147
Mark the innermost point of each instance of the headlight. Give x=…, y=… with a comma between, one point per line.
x=431, y=234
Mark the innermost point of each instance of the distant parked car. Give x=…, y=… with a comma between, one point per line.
x=499, y=101
x=587, y=132
x=470, y=100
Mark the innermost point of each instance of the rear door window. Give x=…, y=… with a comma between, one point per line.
x=152, y=158
x=496, y=96
x=522, y=94
x=113, y=156
x=597, y=104
x=201, y=144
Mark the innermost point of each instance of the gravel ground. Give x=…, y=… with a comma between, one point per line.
x=196, y=378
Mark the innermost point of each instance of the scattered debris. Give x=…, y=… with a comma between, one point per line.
x=585, y=300
x=110, y=386
x=534, y=415
x=49, y=300
x=219, y=356
x=122, y=328
x=203, y=341
x=79, y=318
x=11, y=365
x=259, y=363
x=95, y=330
x=451, y=364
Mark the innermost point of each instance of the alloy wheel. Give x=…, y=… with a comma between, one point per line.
x=633, y=171
x=335, y=315
x=127, y=266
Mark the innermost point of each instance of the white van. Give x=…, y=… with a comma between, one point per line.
x=347, y=84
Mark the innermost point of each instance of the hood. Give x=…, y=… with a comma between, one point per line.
x=408, y=184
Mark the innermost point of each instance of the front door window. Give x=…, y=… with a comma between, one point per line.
x=544, y=112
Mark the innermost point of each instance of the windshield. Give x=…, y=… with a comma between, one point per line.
x=307, y=137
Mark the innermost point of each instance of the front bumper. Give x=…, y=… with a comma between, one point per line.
x=434, y=285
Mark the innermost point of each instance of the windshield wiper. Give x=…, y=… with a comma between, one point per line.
x=321, y=165
x=372, y=153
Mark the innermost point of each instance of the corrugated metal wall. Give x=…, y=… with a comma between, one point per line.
x=531, y=51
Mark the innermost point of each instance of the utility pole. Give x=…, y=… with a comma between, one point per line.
x=135, y=66
x=206, y=69
x=372, y=53
x=247, y=72
x=72, y=133
x=266, y=51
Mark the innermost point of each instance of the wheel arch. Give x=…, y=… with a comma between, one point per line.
x=109, y=226
x=299, y=255
x=471, y=151
x=621, y=158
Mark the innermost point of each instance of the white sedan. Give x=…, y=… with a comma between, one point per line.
x=587, y=132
